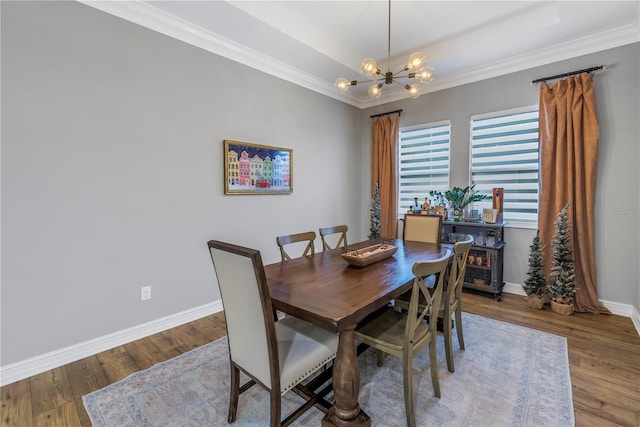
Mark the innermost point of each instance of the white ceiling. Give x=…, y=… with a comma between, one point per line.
x=311, y=43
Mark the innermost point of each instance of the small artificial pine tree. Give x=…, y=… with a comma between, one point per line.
x=535, y=282
x=374, y=216
x=562, y=274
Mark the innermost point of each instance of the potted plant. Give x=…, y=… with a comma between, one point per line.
x=460, y=198
x=534, y=285
x=562, y=284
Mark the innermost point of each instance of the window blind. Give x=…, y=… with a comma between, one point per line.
x=423, y=162
x=504, y=153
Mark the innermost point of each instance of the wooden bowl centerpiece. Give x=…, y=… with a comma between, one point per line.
x=369, y=255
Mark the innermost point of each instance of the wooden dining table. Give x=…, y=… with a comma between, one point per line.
x=325, y=290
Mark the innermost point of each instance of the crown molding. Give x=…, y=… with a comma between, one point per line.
x=571, y=49
x=157, y=20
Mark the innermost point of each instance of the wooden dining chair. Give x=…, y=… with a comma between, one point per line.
x=278, y=355
x=288, y=239
x=338, y=229
x=404, y=336
x=452, y=301
x=422, y=228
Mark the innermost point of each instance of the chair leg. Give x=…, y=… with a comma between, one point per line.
x=433, y=364
x=448, y=344
x=407, y=371
x=459, y=327
x=380, y=357
x=276, y=410
x=234, y=388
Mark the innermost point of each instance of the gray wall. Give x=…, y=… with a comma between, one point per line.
x=617, y=205
x=112, y=172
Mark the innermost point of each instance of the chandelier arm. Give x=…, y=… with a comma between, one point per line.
x=369, y=81
x=400, y=71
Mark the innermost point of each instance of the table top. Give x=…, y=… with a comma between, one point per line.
x=325, y=290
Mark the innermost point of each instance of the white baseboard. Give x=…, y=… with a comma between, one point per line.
x=513, y=288
x=626, y=310
x=635, y=318
x=35, y=365
x=620, y=309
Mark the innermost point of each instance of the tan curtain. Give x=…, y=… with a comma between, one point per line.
x=384, y=137
x=568, y=154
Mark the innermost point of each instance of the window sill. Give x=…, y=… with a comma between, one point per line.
x=523, y=225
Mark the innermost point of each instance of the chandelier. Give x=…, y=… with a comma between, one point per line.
x=369, y=68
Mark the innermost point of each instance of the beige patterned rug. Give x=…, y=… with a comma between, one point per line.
x=508, y=376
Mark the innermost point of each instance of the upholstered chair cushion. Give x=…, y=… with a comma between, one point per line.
x=302, y=350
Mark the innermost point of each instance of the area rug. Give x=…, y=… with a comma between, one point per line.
x=507, y=376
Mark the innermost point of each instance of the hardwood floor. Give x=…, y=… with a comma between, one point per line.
x=604, y=358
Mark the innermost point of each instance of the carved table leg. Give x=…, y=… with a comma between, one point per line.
x=346, y=386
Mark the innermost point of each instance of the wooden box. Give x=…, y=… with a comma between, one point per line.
x=490, y=215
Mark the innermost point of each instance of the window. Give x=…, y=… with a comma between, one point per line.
x=504, y=154
x=423, y=162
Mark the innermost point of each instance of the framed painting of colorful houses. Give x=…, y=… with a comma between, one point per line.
x=257, y=169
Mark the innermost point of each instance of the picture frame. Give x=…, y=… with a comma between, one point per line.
x=257, y=169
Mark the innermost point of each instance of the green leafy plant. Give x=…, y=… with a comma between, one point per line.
x=535, y=282
x=562, y=284
x=459, y=198
x=374, y=215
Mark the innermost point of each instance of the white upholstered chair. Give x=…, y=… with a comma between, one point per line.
x=327, y=231
x=278, y=355
x=405, y=335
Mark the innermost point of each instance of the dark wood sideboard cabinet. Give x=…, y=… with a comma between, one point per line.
x=485, y=262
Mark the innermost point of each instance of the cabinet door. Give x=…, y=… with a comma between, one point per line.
x=478, y=271
x=484, y=268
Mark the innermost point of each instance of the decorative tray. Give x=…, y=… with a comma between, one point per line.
x=369, y=255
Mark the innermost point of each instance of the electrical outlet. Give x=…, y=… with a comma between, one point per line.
x=145, y=293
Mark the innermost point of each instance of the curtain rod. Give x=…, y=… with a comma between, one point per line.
x=387, y=113
x=572, y=73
